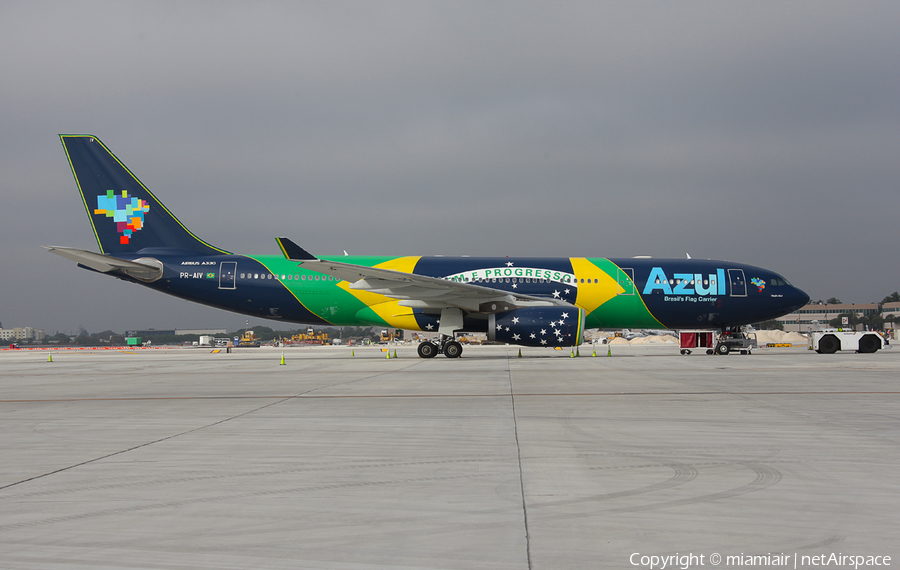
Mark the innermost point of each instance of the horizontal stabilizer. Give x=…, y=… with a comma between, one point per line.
x=145, y=269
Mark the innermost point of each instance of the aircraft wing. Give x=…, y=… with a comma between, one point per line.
x=108, y=264
x=416, y=291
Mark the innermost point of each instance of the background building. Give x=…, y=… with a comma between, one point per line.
x=891, y=314
x=802, y=319
x=150, y=333
x=21, y=333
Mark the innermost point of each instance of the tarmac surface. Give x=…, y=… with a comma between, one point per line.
x=183, y=458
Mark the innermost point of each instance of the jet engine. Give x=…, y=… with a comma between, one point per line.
x=538, y=326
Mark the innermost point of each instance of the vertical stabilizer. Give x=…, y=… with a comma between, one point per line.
x=125, y=215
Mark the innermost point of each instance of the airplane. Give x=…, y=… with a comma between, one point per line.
x=526, y=301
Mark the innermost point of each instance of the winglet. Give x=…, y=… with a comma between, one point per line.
x=293, y=251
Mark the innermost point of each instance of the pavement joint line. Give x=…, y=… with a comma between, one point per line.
x=145, y=444
x=277, y=401
x=388, y=396
x=512, y=398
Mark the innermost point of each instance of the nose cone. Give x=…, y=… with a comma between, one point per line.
x=796, y=299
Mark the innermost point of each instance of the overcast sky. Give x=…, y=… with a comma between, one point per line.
x=766, y=133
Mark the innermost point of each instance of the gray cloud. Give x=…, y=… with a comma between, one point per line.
x=738, y=131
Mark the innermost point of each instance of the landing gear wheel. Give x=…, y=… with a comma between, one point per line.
x=452, y=349
x=723, y=349
x=427, y=350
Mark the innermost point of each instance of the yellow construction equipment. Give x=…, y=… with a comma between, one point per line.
x=310, y=337
x=391, y=335
x=248, y=339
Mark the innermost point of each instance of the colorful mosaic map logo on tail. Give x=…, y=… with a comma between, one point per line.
x=127, y=213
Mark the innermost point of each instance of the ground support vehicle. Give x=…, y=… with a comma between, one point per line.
x=717, y=343
x=690, y=340
x=829, y=341
x=741, y=341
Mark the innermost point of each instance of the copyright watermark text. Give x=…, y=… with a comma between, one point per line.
x=779, y=560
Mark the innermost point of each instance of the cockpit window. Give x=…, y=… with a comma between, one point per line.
x=779, y=281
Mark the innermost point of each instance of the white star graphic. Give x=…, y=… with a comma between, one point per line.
x=429, y=326
x=532, y=335
x=543, y=341
x=556, y=293
x=515, y=320
x=516, y=337
x=499, y=327
x=556, y=332
x=509, y=263
x=565, y=315
x=567, y=291
x=507, y=329
x=543, y=331
x=515, y=286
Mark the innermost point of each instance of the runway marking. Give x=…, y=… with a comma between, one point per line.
x=388, y=396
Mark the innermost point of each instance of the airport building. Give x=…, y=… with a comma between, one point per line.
x=21, y=333
x=802, y=319
x=149, y=333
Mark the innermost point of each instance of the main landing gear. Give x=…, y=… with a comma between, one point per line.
x=448, y=347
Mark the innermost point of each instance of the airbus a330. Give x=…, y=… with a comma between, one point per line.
x=528, y=301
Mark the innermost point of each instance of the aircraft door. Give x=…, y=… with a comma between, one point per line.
x=626, y=281
x=738, y=285
x=227, y=271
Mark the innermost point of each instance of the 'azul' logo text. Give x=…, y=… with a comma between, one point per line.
x=686, y=283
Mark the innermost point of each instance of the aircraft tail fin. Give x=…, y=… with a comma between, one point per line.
x=126, y=217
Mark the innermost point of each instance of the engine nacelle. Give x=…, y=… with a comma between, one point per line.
x=538, y=326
